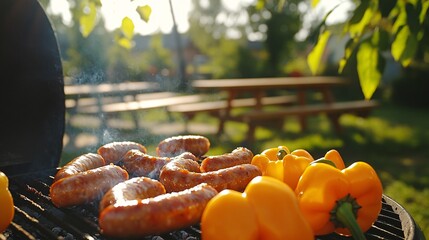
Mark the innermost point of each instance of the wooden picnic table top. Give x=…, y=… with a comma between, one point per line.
x=109, y=89
x=268, y=83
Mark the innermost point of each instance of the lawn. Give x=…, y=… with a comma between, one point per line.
x=393, y=139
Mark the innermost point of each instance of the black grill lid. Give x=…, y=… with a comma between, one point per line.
x=31, y=89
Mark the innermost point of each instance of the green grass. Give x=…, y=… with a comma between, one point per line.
x=393, y=139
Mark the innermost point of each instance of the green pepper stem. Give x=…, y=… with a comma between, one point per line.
x=326, y=161
x=345, y=215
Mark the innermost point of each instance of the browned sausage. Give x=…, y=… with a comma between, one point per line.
x=80, y=164
x=173, y=146
x=183, y=173
x=132, y=189
x=86, y=186
x=114, y=151
x=140, y=164
x=239, y=156
x=161, y=214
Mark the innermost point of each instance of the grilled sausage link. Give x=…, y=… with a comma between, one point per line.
x=183, y=173
x=86, y=186
x=114, y=151
x=161, y=214
x=139, y=164
x=238, y=156
x=173, y=146
x=79, y=164
x=132, y=189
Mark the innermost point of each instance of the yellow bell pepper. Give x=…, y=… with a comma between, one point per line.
x=346, y=201
x=282, y=164
x=270, y=161
x=334, y=156
x=7, y=209
x=293, y=167
x=267, y=202
x=302, y=153
x=277, y=210
x=229, y=216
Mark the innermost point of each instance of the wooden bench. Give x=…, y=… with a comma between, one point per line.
x=333, y=110
x=216, y=108
x=134, y=106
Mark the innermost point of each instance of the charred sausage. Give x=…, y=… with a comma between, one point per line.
x=140, y=164
x=173, y=146
x=238, y=156
x=86, y=186
x=80, y=164
x=132, y=189
x=161, y=214
x=114, y=151
x=183, y=173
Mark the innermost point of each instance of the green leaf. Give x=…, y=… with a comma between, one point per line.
x=315, y=56
x=359, y=12
x=144, y=12
x=412, y=18
x=400, y=21
x=383, y=43
x=127, y=27
x=385, y=6
x=425, y=6
x=368, y=68
x=356, y=29
x=260, y=4
x=125, y=43
x=314, y=3
x=88, y=18
x=348, y=50
x=404, y=46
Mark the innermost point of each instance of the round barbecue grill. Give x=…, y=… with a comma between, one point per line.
x=32, y=127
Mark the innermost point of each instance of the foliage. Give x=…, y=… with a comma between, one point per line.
x=212, y=27
x=282, y=21
x=377, y=27
x=87, y=14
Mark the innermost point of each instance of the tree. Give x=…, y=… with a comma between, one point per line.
x=281, y=22
x=398, y=27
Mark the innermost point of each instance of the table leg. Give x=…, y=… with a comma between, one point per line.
x=328, y=98
x=226, y=114
x=302, y=100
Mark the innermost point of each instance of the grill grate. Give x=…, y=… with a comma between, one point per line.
x=36, y=217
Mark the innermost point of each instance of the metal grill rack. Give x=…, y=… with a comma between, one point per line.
x=36, y=217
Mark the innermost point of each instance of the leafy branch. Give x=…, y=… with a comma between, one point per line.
x=400, y=27
x=87, y=13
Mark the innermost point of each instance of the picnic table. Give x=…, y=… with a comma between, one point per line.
x=106, y=99
x=258, y=88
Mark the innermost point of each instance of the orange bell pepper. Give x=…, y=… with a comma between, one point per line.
x=345, y=201
x=267, y=209
x=7, y=209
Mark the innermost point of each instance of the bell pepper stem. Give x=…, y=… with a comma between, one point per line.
x=345, y=215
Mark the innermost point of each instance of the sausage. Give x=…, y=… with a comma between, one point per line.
x=158, y=215
x=132, y=189
x=183, y=173
x=114, y=151
x=86, y=186
x=140, y=164
x=80, y=164
x=173, y=146
x=238, y=156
